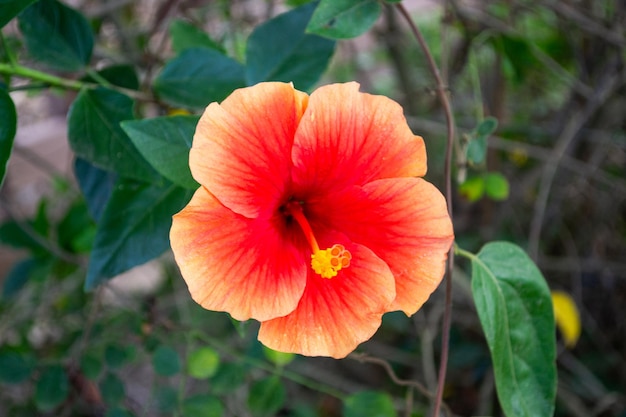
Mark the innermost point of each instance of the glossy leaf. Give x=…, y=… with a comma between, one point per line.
x=165, y=142
x=197, y=77
x=567, y=317
x=57, y=35
x=52, y=388
x=185, y=36
x=369, y=404
x=266, y=396
x=515, y=310
x=11, y=8
x=496, y=186
x=343, y=19
x=203, y=406
x=203, y=363
x=166, y=361
x=95, y=134
x=121, y=75
x=280, y=50
x=134, y=228
x=96, y=185
x=8, y=126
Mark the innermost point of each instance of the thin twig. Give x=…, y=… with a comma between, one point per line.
x=443, y=96
x=569, y=132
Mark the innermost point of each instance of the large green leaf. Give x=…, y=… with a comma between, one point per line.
x=185, y=36
x=280, y=50
x=95, y=134
x=57, y=35
x=165, y=142
x=343, y=19
x=134, y=228
x=197, y=77
x=515, y=310
x=11, y=8
x=8, y=126
x=96, y=185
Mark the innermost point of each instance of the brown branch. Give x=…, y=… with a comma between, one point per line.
x=443, y=96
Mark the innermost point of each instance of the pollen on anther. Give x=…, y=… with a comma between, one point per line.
x=328, y=262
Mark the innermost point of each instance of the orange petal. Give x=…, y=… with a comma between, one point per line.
x=405, y=222
x=335, y=315
x=350, y=138
x=246, y=267
x=242, y=147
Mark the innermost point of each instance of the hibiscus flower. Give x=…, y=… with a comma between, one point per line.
x=311, y=217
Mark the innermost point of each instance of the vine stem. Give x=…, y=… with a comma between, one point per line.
x=54, y=81
x=443, y=97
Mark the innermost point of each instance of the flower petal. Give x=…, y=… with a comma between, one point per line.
x=335, y=315
x=350, y=138
x=242, y=147
x=247, y=267
x=405, y=222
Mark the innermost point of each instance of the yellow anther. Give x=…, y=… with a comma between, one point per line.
x=329, y=262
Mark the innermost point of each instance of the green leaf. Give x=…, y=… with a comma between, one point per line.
x=17, y=277
x=228, y=378
x=91, y=365
x=15, y=367
x=473, y=188
x=476, y=150
x=8, y=126
x=487, y=126
x=95, y=134
x=166, y=399
x=343, y=19
x=278, y=358
x=57, y=35
x=166, y=361
x=203, y=363
x=197, y=77
x=134, y=228
x=52, y=388
x=515, y=310
x=203, y=406
x=266, y=396
x=120, y=75
x=369, y=404
x=115, y=356
x=165, y=142
x=185, y=36
x=96, y=185
x=112, y=389
x=118, y=412
x=496, y=186
x=11, y=8
x=280, y=50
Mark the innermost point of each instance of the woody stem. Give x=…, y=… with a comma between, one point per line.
x=443, y=96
